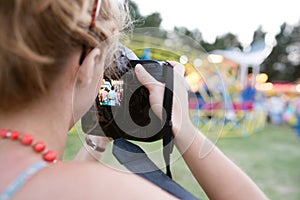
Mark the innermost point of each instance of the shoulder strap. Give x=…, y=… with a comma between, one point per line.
x=137, y=161
x=168, y=138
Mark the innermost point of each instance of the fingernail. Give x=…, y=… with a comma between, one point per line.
x=138, y=68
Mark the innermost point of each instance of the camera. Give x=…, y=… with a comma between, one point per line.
x=122, y=106
x=130, y=115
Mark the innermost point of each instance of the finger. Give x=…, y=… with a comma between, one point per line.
x=144, y=77
x=179, y=70
x=178, y=67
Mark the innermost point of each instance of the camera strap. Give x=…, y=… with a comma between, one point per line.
x=136, y=160
x=168, y=137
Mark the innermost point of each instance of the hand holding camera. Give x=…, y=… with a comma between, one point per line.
x=156, y=89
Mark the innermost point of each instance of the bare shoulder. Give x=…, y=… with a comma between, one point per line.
x=78, y=180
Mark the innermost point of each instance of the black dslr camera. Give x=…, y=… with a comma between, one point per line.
x=122, y=106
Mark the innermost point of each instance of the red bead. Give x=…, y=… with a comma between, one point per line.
x=50, y=156
x=27, y=139
x=14, y=135
x=3, y=133
x=39, y=146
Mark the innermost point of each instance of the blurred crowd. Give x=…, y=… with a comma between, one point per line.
x=282, y=109
x=109, y=96
x=279, y=108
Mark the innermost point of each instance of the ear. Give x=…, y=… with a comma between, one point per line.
x=88, y=68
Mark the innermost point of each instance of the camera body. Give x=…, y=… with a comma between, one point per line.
x=133, y=117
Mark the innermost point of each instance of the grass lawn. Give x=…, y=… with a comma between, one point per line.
x=271, y=157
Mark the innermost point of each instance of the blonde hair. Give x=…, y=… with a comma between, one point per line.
x=38, y=36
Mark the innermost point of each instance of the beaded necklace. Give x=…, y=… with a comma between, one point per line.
x=28, y=140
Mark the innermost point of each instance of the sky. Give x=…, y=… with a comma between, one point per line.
x=217, y=17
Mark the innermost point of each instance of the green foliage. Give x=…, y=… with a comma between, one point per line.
x=227, y=41
x=134, y=10
x=258, y=35
x=152, y=20
x=283, y=64
x=194, y=34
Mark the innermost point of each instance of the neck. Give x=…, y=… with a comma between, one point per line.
x=47, y=122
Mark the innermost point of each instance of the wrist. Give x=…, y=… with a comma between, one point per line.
x=181, y=127
x=185, y=135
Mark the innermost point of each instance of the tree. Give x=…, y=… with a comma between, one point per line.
x=284, y=61
x=193, y=34
x=227, y=41
x=152, y=20
x=134, y=10
x=293, y=51
x=258, y=35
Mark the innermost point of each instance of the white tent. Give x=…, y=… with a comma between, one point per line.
x=252, y=59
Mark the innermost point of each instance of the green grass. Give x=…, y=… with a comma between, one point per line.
x=270, y=157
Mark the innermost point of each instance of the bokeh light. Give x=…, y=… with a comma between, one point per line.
x=213, y=58
x=184, y=59
x=262, y=78
x=298, y=88
x=197, y=62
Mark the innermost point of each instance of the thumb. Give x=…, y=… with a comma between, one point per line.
x=144, y=77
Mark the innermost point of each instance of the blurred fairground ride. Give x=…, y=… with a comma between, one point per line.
x=225, y=100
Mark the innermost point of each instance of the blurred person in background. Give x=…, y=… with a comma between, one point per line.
x=112, y=97
x=276, y=107
x=297, y=116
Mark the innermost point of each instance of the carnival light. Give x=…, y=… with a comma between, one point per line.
x=213, y=58
x=262, y=78
x=197, y=62
x=193, y=79
x=298, y=88
x=184, y=59
x=267, y=86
